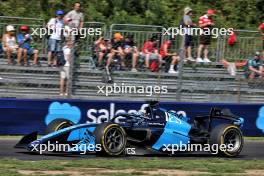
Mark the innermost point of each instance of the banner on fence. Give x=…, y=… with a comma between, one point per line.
x=22, y=116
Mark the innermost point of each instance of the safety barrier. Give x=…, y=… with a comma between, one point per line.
x=18, y=116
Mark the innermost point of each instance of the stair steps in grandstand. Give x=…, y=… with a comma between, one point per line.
x=200, y=84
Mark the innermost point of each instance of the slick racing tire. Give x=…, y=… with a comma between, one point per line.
x=112, y=138
x=58, y=124
x=227, y=134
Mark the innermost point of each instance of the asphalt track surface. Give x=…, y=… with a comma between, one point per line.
x=251, y=150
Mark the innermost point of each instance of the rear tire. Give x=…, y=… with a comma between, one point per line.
x=111, y=137
x=227, y=134
x=58, y=124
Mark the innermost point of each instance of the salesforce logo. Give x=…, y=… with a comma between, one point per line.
x=105, y=115
x=63, y=111
x=260, y=119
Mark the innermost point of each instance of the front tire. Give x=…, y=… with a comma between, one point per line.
x=227, y=134
x=111, y=137
x=58, y=124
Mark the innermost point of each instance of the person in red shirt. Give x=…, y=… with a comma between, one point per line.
x=261, y=29
x=205, y=23
x=150, y=51
x=173, y=58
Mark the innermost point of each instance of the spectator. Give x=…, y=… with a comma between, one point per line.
x=232, y=66
x=9, y=43
x=188, y=24
x=116, y=50
x=168, y=56
x=254, y=66
x=205, y=23
x=261, y=29
x=65, y=70
x=130, y=49
x=101, y=50
x=54, y=43
x=77, y=17
x=24, y=39
x=150, y=51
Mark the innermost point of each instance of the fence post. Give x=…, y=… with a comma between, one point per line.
x=71, y=72
x=180, y=69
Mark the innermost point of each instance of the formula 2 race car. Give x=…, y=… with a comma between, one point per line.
x=155, y=129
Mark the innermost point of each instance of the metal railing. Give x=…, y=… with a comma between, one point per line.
x=202, y=82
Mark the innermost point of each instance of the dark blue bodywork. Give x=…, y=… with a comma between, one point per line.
x=153, y=129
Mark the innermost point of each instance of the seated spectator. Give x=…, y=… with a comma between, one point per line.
x=150, y=51
x=65, y=70
x=24, y=39
x=232, y=66
x=9, y=43
x=101, y=50
x=130, y=49
x=116, y=50
x=173, y=58
x=254, y=67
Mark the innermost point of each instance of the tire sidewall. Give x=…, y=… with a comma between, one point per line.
x=100, y=132
x=57, y=124
x=217, y=137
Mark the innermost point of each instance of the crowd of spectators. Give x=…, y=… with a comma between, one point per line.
x=125, y=49
x=19, y=45
x=122, y=49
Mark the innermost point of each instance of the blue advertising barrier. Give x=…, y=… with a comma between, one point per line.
x=22, y=116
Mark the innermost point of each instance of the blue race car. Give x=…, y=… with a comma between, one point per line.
x=156, y=129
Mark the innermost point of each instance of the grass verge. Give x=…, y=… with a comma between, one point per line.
x=130, y=166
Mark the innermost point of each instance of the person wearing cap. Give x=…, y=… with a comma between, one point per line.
x=188, y=24
x=9, y=43
x=116, y=50
x=254, y=66
x=55, y=28
x=24, y=39
x=205, y=23
x=150, y=51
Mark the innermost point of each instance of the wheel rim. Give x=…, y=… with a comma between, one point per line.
x=233, y=137
x=62, y=125
x=114, y=140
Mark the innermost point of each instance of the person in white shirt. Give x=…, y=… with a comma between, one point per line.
x=65, y=70
x=9, y=43
x=55, y=27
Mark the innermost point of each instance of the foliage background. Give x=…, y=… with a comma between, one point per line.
x=239, y=14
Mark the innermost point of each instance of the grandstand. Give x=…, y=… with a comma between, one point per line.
x=195, y=83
